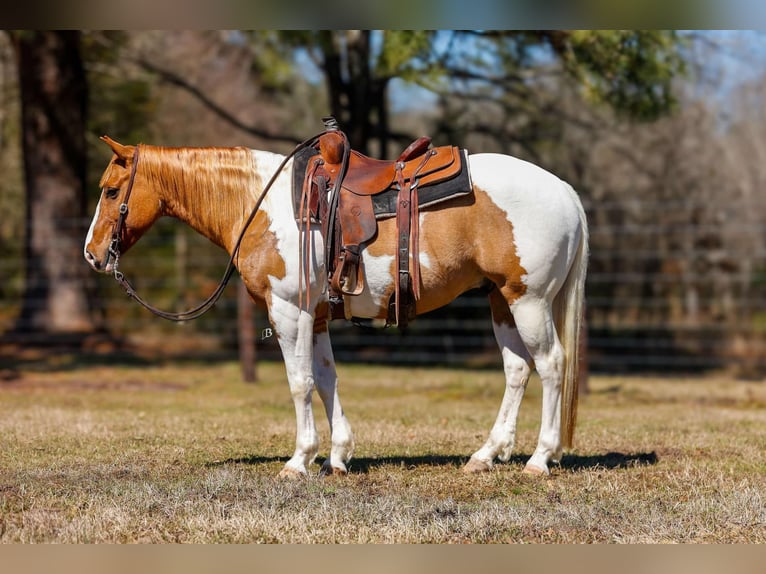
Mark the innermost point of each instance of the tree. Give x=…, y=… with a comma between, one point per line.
x=53, y=92
x=514, y=76
x=358, y=67
x=502, y=84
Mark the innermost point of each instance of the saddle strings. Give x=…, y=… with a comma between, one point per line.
x=306, y=244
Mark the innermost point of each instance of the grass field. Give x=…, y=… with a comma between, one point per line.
x=188, y=453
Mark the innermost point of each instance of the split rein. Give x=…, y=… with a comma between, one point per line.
x=205, y=306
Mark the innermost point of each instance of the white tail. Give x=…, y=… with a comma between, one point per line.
x=568, y=309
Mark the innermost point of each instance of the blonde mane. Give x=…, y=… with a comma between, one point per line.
x=211, y=188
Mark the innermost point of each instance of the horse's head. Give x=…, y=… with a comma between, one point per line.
x=143, y=208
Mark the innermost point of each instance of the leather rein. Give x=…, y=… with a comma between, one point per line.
x=114, y=245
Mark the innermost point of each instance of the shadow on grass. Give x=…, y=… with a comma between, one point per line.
x=255, y=459
x=361, y=465
x=365, y=465
x=610, y=460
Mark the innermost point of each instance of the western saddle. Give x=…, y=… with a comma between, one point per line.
x=362, y=187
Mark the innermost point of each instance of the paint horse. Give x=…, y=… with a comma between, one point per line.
x=522, y=230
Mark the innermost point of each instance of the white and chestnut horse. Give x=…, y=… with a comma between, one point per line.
x=523, y=229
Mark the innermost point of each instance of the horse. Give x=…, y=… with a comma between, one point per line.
x=523, y=231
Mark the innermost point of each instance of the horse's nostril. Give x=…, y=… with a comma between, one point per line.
x=95, y=263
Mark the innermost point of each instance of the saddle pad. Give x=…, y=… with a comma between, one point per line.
x=384, y=204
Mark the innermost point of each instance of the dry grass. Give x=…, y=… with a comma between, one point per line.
x=189, y=454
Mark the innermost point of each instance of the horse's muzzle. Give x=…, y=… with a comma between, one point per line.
x=96, y=264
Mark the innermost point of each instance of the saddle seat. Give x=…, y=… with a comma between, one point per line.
x=368, y=176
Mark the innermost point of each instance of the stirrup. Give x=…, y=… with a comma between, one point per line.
x=349, y=263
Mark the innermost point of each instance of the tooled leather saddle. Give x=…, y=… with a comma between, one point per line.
x=347, y=193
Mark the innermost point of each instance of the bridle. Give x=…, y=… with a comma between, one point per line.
x=114, y=244
x=113, y=251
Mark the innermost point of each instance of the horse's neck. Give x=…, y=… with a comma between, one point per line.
x=210, y=189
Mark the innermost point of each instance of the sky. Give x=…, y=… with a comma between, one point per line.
x=728, y=60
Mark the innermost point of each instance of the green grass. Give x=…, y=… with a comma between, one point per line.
x=188, y=453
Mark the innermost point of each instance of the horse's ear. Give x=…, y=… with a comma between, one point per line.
x=122, y=151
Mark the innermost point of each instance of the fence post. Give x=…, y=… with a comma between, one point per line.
x=246, y=334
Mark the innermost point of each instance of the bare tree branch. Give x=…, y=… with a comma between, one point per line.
x=176, y=80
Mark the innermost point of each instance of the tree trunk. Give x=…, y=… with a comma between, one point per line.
x=360, y=105
x=357, y=98
x=53, y=97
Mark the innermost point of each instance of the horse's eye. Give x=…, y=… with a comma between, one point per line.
x=111, y=192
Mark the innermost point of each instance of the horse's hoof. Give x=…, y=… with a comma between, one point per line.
x=533, y=470
x=329, y=470
x=291, y=473
x=474, y=466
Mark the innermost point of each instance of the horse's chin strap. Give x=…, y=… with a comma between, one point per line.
x=205, y=306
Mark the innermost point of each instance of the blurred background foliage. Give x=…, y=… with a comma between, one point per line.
x=661, y=132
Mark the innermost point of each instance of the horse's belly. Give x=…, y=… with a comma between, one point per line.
x=447, y=269
x=435, y=291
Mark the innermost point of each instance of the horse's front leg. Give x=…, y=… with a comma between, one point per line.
x=327, y=385
x=295, y=332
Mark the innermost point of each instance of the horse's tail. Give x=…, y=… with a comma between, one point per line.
x=569, y=309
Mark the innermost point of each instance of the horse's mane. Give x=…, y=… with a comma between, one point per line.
x=214, y=185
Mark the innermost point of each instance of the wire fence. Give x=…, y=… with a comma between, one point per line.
x=641, y=312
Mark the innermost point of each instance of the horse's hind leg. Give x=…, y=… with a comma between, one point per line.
x=534, y=321
x=516, y=363
x=327, y=385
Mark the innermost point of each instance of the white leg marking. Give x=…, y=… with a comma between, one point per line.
x=327, y=385
x=534, y=321
x=295, y=331
x=516, y=365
